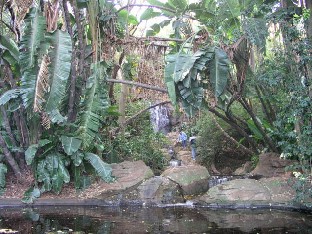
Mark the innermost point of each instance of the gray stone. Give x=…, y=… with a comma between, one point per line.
x=193, y=179
x=160, y=190
x=250, y=191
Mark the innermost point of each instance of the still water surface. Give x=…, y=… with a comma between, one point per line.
x=150, y=220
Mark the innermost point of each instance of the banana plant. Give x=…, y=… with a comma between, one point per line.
x=43, y=62
x=186, y=74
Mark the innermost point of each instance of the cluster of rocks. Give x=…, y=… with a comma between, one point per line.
x=136, y=184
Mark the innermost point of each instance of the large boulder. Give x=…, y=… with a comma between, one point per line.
x=193, y=179
x=271, y=165
x=160, y=190
x=264, y=191
x=128, y=175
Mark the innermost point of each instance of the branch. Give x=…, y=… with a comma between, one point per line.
x=139, y=85
x=153, y=6
x=129, y=120
x=151, y=38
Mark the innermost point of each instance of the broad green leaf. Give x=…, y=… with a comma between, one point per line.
x=149, y=13
x=219, y=72
x=8, y=95
x=103, y=169
x=70, y=144
x=30, y=153
x=31, y=195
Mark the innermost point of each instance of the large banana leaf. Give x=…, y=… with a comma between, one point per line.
x=35, y=25
x=219, y=72
x=94, y=105
x=182, y=74
x=103, y=169
x=59, y=68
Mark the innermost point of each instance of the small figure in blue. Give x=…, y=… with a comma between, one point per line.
x=183, y=138
x=193, y=146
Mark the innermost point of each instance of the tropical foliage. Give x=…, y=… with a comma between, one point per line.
x=247, y=62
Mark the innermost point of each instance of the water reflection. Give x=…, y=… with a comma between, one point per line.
x=151, y=220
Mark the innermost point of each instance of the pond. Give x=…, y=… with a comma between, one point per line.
x=84, y=219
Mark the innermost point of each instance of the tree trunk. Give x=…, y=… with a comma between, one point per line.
x=10, y=159
x=122, y=106
x=72, y=88
x=266, y=138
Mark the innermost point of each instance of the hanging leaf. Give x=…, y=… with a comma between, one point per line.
x=30, y=153
x=8, y=95
x=219, y=72
x=103, y=169
x=35, y=26
x=59, y=68
x=70, y=144
x=10, y=46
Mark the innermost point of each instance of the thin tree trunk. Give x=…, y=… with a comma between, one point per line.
x=18, y=115
x=114, y=77
x=138, y=84
x=266, y=138
x=231, y=138
x=264, y=106
x=10, y=159
x=122, y=106
x=6, y=124
x=233, y=124
x=80, y=54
